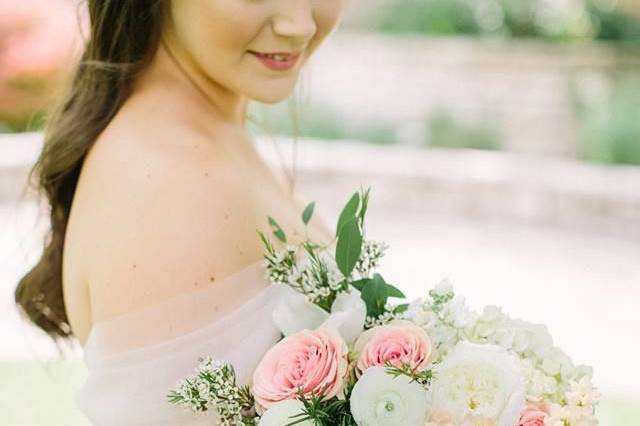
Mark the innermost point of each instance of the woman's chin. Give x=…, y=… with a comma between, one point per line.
x=273, y=96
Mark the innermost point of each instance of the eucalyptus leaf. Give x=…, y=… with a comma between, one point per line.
x=265, y=241
x=394, y=291
x=280, y=235
x=308, y=212
x=401, y=308
x=348, y=212
x=278, y=232
x=348, y=247
x=374, y=294
x=365, y=205
x=359, y=284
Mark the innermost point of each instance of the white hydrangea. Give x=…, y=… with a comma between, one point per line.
x=548, y=370
x=578, y=409
x=539, y=385
x=444, y=315
x=583, y=393
x=456, y=313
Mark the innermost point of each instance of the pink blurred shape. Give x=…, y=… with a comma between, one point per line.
x=39, y=40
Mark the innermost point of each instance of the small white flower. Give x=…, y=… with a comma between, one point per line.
x=583, y=394
x=281, y=414
x=444, y=287
x=456, y=312
x=571, y=415
x=380, y=399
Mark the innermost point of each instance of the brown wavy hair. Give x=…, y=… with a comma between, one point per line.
x=123, y=38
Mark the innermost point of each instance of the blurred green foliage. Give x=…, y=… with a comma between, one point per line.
x=580, y=19
x=610, y=125
x=613, y=25
x=321, y=122
x=447, y=132
x=428, y=16
x=33, y=122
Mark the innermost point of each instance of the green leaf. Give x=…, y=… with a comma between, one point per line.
x=308, y=212
x=348, y=212
x=374, y=294
x=365, y=205
x=348, y=247
x=401, y=308
x=359, y=284
x=267, y=244
x=394, y=291
x=278, y=232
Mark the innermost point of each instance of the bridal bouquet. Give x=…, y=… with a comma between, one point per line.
x=353, y=353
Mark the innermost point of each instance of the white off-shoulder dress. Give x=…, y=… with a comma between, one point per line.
x=135, y=359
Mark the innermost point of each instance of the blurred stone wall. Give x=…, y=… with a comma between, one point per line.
x=527, y=88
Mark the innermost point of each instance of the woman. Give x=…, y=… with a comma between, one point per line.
x=156, y=194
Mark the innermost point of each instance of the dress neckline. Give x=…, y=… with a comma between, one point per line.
x=257, y=282
x=183, y=317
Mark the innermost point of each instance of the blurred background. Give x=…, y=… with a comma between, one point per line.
x=501, y=140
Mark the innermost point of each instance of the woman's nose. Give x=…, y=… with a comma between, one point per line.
x=295, y=20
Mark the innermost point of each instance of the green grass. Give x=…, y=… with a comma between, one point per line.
x=38, y=394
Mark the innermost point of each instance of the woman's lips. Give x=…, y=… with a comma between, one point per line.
x=285, y=62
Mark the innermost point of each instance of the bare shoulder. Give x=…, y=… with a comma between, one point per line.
x=158, y=212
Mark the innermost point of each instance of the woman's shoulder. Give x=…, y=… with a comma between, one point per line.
x=148, y=132
x=158, y=211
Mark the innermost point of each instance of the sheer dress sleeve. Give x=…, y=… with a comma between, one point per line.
x=135, y=359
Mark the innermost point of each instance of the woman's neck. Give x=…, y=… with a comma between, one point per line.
x=172, y=69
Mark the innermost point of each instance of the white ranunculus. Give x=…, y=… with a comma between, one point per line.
x=480, y=381
x=348, y=314
x=380, y=399
x=281, y=414
x=295, y=313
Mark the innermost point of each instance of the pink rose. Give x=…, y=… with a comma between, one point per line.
x=313, y=360
x=399, y=342
x=534, y=415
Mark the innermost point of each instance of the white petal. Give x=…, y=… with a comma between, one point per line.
x=348, y=314
x=280, y=414
x=295, y=313
x=383, y=400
